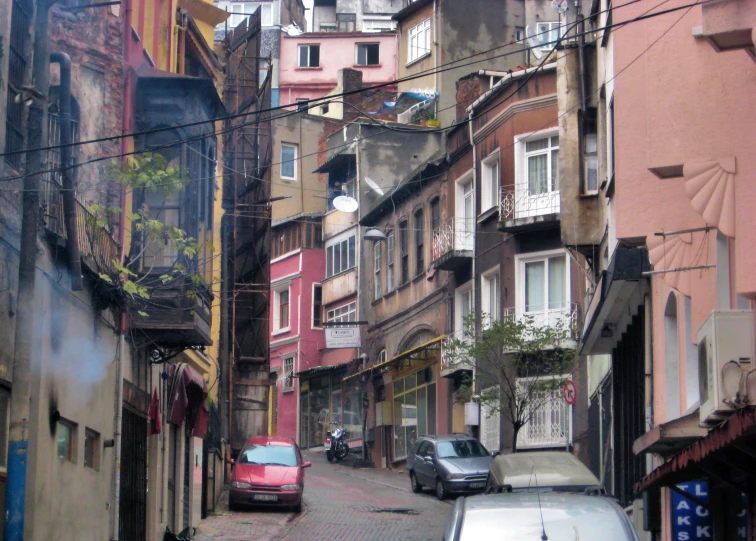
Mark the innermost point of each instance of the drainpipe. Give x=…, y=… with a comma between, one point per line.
x=581, y=55
x=474, y=241
x=435, y=36
x=69, y=200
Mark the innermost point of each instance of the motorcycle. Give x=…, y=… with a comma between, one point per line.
x=335, y=446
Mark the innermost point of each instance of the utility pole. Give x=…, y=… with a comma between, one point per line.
x=18, y=433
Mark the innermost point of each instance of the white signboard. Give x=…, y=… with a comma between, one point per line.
x=342, y=337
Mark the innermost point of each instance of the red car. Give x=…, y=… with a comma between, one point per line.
x=268, y=471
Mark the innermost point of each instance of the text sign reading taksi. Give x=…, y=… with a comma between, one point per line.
x=342, y=337
x=692, y=522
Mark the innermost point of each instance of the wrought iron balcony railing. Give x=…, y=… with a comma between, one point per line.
x=526, y=200
x=455, y=234
x=565, y=316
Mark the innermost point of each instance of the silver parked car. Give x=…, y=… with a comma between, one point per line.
x=449, y=464
x=530, y=515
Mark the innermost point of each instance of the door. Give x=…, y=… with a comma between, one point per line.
x=132, y=524
x=425, y=468
x=173, y=464
x=539, y=194
x=466, y=227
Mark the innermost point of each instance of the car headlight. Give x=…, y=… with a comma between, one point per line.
x=455, y=475
x=291, y=487
x=240, y=484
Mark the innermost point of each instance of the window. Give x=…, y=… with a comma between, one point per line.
x=591, y=164
x=519, y=34
x=404, y=250
x=367, y=54
x=66, y=433
x=390, y=261
x=419, y=41
x=263, y=67
x=317, y=305
x=542, y=163
x=283, y=310
x=463, y=307
x=21, y=18
x=547, y=35
x=309, y=56
x=327, y=27
x=490, y=296
x=343, y=314
x=610, y=144
x=435, y=207
x=382, y=356
x=544, y=289
x=419, y=243
x=346, y=22
x=91, y=449
x=266, y=14
x=491, y=182
x=289, y=154
x=294, y=236
x=377, y=24
x=303, y=105
x=340, y=257
x=288, y=373
x=377, y=270
x=549, y=424
x=324, y=109
x=414, y=410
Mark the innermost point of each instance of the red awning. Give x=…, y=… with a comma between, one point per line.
x=709, y=456
x=187, y=398
x=335, y=357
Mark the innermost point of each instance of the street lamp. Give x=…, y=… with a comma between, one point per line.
x=374, y=234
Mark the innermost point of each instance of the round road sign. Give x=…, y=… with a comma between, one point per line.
x=569, y=392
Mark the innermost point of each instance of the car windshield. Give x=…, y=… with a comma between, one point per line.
x=461, y=449
x=268, y=455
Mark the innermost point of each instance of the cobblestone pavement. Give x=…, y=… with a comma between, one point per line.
x=341, y=503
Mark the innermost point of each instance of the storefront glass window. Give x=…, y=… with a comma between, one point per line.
x=414, y=410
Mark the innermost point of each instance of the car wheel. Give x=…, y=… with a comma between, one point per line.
x=440, y=490
x=416, y=486
x=297, y=508
x=232, y=506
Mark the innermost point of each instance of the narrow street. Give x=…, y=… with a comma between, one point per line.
x=340, y=503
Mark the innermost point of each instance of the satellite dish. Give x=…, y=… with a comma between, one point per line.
x=560, y=6
x=344, y=203
x=373, y=186
x=535, y=45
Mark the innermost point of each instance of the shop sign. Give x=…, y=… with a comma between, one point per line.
x=342, y=337
x=692, y=522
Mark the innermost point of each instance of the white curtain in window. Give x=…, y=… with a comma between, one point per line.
x=557, y=283
x=535, y=274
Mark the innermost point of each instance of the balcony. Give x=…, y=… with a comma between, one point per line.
x=97, y=246
x=453, y=244
x=565, y=318
x=340, y=286
x=523, y=207
x=450, y=367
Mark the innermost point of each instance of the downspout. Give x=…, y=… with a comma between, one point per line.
x=435, y=38
x=69, y=200
x=581, y=55
x=474, y=241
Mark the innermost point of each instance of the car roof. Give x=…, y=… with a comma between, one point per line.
x=446, y=437
x=271, y=440
x=543, y=469
x=566, y=517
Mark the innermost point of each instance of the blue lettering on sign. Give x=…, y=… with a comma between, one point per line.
x=692, y=522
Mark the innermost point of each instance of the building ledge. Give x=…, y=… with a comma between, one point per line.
x=671, y=437
x=453, y=259
x=530, y=223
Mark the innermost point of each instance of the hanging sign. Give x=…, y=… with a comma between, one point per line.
x=342, y=337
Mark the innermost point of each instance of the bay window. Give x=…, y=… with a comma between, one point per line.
x=340, y=257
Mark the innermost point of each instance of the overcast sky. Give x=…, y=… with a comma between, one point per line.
x=308, y=13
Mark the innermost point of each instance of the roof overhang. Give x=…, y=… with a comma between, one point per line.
x=413, y=7
x=421, y=353
x=317, y=371
x=336, y=161
x=727, y=454
x=669, y=438
x=622, y=286
x=507, y=77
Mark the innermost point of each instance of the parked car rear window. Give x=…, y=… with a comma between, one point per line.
x=268, y=455
x=461, y=449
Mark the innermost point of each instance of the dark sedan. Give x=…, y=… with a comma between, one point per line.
x=448, y=464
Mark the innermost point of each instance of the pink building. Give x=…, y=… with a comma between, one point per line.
x=296, y=339
x=310, y=63
x=669, y=219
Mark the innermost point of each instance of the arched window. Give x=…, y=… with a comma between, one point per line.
x=671, y=358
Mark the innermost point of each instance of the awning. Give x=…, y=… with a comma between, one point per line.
x=672, y=437
x=618, y=289
x=336, y=161
x=187, y=399
x=416, y=353
x=727, y=453
x=331, y=361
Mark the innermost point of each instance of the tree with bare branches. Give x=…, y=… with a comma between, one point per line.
x=517, y=364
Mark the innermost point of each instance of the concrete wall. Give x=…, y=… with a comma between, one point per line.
x=337, y=51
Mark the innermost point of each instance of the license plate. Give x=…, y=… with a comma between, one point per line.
x=477, y=485
x=265, y=497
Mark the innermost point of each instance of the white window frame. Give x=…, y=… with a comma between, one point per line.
x=288, y=377
x=377, y=264
x=309, y=54
x=421, y=31
x=489, y=278
x=550, y=27
x=312, y=307
x=293, y=161
x=347, y=313
x=377, y=23
x=590, y=158
x=490, y=190
x=465, y=289
x=529, y=205
x=390, y=256
x=557, y=403
x=464, y=226
x=266, y=20
x=357, y=54
x=382, y=356
x=341, y=241
x=277, y=327
x=521, y=261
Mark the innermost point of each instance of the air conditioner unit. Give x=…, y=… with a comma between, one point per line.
x=725, y=356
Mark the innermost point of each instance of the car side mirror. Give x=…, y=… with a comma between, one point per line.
x=495, y=453
x=428, y=458
x=306, y=464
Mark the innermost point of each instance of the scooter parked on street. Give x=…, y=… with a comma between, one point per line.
x=335, y=446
